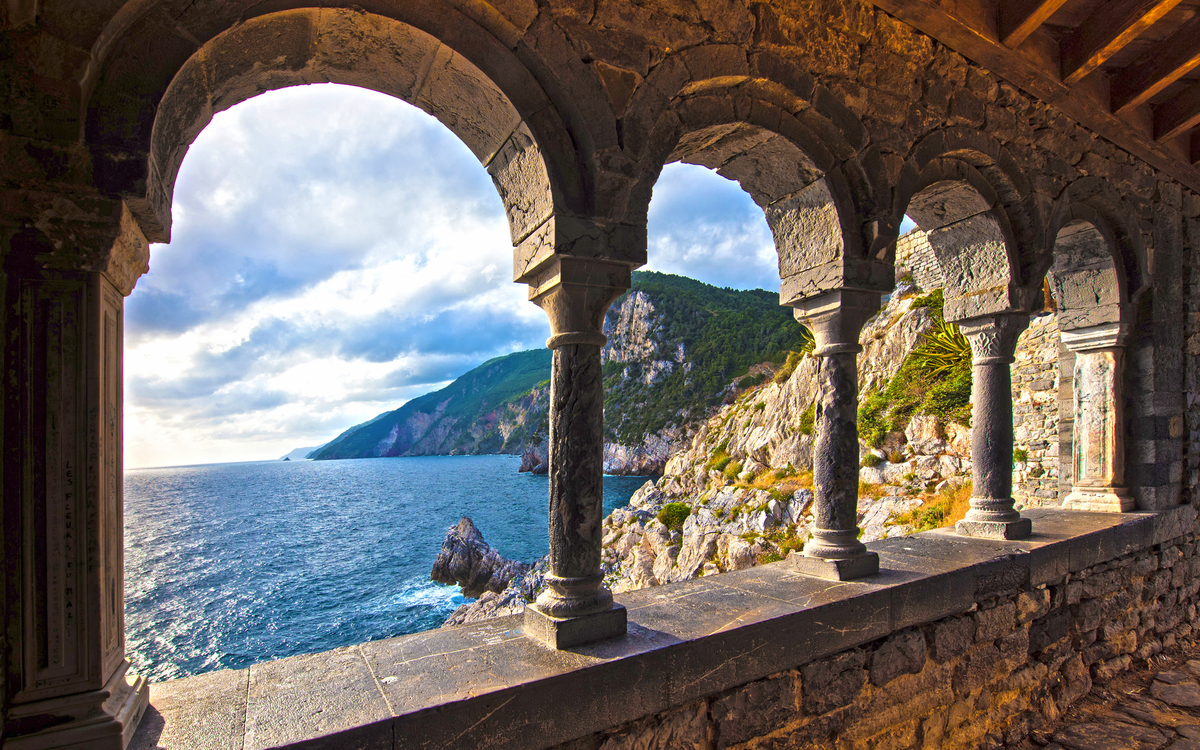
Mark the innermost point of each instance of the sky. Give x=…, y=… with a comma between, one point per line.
x=336, y=252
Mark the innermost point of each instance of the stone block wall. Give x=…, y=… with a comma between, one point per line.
x=1017, y=659
x=914, y=256
x=1036, y=414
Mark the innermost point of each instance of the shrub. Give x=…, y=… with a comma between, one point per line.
x=1020, y=455
x=808, y=420
x=946, y=508
x=935, y=301
x=732, y=470
x=871, y=460
x=673, y=515
x=944, y=353
x=789, y=366
x=720, y=463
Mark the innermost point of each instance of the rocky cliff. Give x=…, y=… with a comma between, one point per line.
x=738, y=492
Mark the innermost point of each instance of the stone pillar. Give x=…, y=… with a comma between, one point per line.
x=993, y=343
x=577, y=607
x=69, y=684
x=1098, y=441
x=836, y=318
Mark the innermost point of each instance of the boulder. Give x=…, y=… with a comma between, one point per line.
x=467, y=560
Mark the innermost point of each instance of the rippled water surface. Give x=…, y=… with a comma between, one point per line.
x=227, y=565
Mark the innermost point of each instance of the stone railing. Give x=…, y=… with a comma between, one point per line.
x=957, y=642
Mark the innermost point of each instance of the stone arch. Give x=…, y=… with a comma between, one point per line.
x=140, y=124
x=801, y=155
x=967, y=193
x=1098, y=255
x=1096, y=271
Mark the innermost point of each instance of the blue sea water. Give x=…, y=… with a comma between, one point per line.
x=227, y=565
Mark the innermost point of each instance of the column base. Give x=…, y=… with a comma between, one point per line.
x=1106, y=500
x=859, y=566
x=565, y=632
x=102, y=719
x=1018, y=529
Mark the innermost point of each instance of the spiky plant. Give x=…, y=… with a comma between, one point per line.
x=945, y=352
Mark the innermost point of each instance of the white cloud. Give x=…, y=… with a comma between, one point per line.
x=336, y=252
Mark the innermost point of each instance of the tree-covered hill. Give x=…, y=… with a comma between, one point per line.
x=675, y=346
x=705, y=338
x=466, y=416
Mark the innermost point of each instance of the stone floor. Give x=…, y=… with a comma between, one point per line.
x=1153, y=705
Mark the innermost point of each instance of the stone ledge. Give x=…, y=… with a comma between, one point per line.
x=485, y=685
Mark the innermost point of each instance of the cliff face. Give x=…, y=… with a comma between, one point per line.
x=494, y=408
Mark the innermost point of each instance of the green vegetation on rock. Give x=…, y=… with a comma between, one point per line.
x=467, y=402
x=934, y=379
x=723, y=332
x=672, y=515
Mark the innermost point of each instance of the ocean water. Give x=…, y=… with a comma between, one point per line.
x=227, y=565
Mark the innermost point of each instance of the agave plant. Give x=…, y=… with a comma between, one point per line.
x=945, y=351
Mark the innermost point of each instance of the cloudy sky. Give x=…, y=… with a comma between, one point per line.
x=336, y=252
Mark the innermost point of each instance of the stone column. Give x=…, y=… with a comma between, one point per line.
x=69, y=684
x=993, y=343
x=836, y=319
x=577, y=607
x=1098, y=442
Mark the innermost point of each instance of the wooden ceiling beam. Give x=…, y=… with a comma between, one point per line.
x=1019, y=19
x=1194, y=148
x=1158, y=68
x=1177, y=115
x=1106, y=32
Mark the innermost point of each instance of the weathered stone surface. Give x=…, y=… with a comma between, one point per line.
x=903, y=653
x=1110, y=737
x=467, y=560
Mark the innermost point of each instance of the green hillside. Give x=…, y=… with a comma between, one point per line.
x=469, y=399
x=723, y=333
x=498, y=406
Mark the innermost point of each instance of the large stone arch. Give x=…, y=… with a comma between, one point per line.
x=1097, y=270
x=801, y=155
x=983, y=223
x=155, y=93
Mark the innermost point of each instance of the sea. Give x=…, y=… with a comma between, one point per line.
x=228, y=565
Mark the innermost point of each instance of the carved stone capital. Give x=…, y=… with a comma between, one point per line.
x=836, y=318
x=1098, y=337
x=576, y=294
x=129, y=257
x=993, y=338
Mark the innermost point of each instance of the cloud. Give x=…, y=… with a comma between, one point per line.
x=705, y=226
x=336, y=252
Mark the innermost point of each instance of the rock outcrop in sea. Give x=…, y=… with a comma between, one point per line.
x=467, y=560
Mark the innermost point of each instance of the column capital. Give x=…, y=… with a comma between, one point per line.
x=1097, y=337
x=576, y=294
x=993, y=338
x=836, y=318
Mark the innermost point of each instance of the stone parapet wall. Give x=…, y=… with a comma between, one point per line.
x=1036, y=414
x=915, y=257
x=1012, y=662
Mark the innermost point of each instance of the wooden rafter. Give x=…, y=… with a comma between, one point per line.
x=1194, y=148
x=1175, y=116
x=1021, y=18
x=1106, y=32
x=1158, y=68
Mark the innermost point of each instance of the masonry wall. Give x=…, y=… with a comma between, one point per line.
x=1015, y=661
x=915, y=257
x=1036, y=415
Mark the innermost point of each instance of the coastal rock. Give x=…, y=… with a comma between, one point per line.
x=535, y=459
x=467, y=560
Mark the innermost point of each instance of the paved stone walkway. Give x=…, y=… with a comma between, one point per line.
x=1154, y=705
